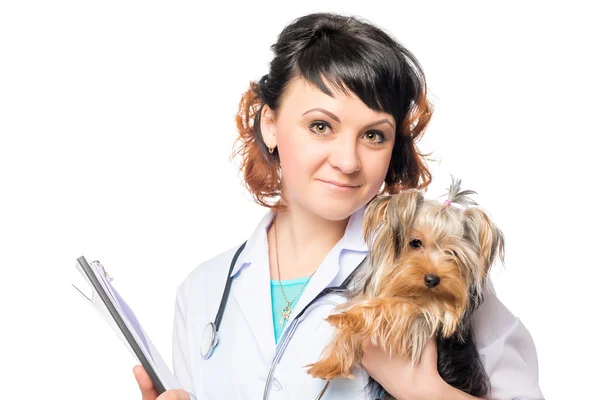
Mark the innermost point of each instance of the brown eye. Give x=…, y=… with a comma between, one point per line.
x=450, y=253
x=416, y=243
x=319, y=128
x=373, y=137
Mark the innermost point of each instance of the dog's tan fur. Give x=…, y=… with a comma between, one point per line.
x=391, y=305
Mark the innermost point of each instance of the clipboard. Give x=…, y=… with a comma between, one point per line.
x=121, y=318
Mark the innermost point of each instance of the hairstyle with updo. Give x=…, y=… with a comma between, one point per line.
x=349, y=54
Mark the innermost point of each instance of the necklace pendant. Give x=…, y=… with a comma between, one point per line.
x=285, y=314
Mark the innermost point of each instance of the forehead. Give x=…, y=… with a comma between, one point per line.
x=441, y=232
x=301, y=96
x=299, y=91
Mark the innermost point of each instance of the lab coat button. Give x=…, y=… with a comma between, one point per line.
x=276, y=385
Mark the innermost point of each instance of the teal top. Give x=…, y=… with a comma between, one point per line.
x=292, y=287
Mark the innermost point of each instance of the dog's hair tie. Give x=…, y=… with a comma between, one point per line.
x=447, y=202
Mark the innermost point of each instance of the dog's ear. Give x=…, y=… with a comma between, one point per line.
x=488, y=239
x=374, y=216
x=402, y=211
x=386, y=222
x=373, y=222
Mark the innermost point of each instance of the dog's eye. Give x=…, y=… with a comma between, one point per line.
x=415, y=243
x=451, y=253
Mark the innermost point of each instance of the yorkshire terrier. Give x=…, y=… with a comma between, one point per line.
x=424, y=277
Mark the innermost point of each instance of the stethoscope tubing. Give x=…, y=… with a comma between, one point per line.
x=287, y=339
x=214, y=326
x=296, y=322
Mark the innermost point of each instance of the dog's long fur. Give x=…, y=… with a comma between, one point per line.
x=426, y=270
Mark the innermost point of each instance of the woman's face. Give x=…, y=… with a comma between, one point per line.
x=334, y=151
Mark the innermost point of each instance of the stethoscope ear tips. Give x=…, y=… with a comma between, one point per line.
x=209, y=340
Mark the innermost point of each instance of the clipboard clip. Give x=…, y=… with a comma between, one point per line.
x=104, y=272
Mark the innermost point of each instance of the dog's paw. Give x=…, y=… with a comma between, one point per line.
x=337, y=320
x=328, y=370
x=350, y=321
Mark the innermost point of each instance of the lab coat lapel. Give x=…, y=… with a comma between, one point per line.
x=253, y=290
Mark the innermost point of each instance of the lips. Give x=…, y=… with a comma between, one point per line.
x=340, y=184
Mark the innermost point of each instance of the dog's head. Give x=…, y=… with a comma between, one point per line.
x=433, y=253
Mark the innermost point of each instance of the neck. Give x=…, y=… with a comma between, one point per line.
x=303, y=240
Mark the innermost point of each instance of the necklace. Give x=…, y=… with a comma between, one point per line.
x=287, y=310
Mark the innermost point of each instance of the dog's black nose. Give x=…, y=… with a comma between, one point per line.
x=432, y=280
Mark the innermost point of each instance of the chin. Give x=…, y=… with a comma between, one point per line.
x=334, y=210
x=330, y=205
x=334, y=215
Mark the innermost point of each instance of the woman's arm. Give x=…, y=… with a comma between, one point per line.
x=181, y=353
x=452, y=393
x=405, y=382
x=506, y=349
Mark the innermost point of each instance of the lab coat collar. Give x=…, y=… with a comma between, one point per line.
x=352, y=240
x=253, y=292
x=253, y=245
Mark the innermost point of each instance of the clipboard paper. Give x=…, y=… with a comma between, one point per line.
x=109, y=303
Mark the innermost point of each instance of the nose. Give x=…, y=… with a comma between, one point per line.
x=432, y=281
x=344, y=155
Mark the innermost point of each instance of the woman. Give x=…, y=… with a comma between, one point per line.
x=333, y=124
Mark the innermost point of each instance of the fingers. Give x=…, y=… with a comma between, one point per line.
x=145, y=383
x=430, y=352
x=148, y=390
x=174, y=394
x=373, y=356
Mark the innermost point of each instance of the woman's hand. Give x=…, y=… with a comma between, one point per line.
x=149, y=392
x=398, y=376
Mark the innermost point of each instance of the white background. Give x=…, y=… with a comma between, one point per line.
x=116, y=127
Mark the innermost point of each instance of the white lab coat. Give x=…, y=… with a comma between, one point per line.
x=239, y=366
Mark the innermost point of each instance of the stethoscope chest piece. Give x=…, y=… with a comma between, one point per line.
x=209, y=340
x=210, y=336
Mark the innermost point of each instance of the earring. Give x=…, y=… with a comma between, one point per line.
x=271, y=149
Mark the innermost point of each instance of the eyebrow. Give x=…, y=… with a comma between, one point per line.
x=335, y=118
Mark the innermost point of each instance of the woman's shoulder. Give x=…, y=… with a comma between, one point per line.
x=492, y=319
x=205, y=274
x=500, y=335
x=507, y=350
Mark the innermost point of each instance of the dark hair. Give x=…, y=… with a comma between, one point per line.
x=349, y=54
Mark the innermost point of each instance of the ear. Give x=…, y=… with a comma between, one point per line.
x=267, y=126
x=488, y=238
x=374, y=216
x=401, y=213
x=386, y=222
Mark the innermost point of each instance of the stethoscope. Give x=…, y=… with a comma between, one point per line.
x=210, y=336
